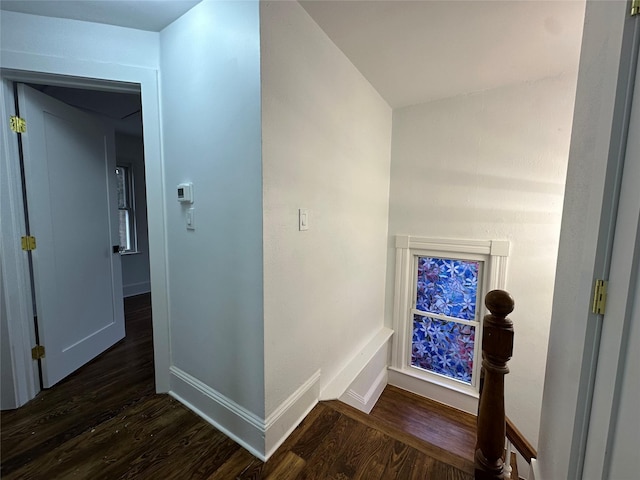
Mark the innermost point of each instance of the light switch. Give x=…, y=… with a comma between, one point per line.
x=190, y=218
x=303, y=219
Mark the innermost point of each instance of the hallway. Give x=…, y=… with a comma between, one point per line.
x=106, y=422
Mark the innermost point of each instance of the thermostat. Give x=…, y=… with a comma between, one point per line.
x=185, y=192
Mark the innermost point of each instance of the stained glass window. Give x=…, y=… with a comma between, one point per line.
x=446, y=292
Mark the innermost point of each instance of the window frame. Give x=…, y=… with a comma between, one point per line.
x=130, y=208
x=493, y=256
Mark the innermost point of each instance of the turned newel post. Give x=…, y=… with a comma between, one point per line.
x=497, y=348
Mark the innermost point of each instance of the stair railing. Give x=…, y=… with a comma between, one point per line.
x=516, y=440
x=497, y=349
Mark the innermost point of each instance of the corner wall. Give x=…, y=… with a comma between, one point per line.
x=326, y=147
x=210, y=98
x=491, y=166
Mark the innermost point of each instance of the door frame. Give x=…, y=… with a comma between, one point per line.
x=611, y=41
x=29, y=68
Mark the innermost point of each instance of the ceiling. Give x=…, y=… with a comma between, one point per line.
x=417, y=51
x=152, y=15
x=123, y=109
x=411, y=51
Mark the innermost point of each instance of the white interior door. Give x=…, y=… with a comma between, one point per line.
x=69, y=159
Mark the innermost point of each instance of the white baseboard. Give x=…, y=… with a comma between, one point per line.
x=136, y=289
x=534, y=470
x=284, y=419
x=366, y=402
x=458, y=399
x=261, y=438
x=239, y=424
x=341, y=382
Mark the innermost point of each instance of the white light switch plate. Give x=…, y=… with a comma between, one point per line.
x=191, y=219
x=303, y=219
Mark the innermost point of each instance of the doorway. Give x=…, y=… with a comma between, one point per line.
x=16, y=298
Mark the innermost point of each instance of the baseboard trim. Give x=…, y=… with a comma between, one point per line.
x=341, y=382
x=534, y=470
x=284, y=419
x=460, y=400
x=238, y=423
x=365, y=402
x=133, y=289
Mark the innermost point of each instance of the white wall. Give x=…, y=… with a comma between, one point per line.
x=210, y=92
x=326, y=146
x=72, y=39
x=135, y=267
x=485, y=166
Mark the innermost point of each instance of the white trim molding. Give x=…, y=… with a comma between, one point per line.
x=337, y=386
x=133, y=289
x=259, y=436
x=284, y=419
x=235, y=421
x=365, y=402
x=493, y=255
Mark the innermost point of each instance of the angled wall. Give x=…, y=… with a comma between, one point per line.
x=326, y=148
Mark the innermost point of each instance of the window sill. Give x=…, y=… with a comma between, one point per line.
x=441, y=382
x=123, y=254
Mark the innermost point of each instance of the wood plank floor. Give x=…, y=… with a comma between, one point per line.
x=106, y=422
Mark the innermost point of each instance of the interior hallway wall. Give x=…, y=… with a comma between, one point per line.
x=210, y=95
x=484, y=166
x=326, y=148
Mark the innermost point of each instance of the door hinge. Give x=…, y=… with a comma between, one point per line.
x=635, y=7
x=18, y=125
x=28, y=243
x=37, y=352
x=599, y=297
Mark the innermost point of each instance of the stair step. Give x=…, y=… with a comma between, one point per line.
x=461, y=462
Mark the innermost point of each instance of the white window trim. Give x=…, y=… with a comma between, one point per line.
x=131, y=196
x=494, y=255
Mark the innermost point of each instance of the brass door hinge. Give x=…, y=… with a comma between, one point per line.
x=18, y=125
x=599, y=297
x=28, y=243
x=635, y=7
x=37, y=352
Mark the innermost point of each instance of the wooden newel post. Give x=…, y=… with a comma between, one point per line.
x=497, y=348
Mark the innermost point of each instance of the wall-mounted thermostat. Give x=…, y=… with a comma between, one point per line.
x=185, y=192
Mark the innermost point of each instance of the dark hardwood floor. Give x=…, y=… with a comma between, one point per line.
x=106, y=422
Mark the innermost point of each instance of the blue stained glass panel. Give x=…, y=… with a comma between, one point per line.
x=443, y=347
x=447, y=286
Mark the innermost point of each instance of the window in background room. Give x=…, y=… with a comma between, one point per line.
x=126, y=210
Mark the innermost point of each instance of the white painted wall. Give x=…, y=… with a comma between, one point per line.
x=326, y=147
x=135, y=267
x=485, y=166
x=210, y=93
x=72, y=39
